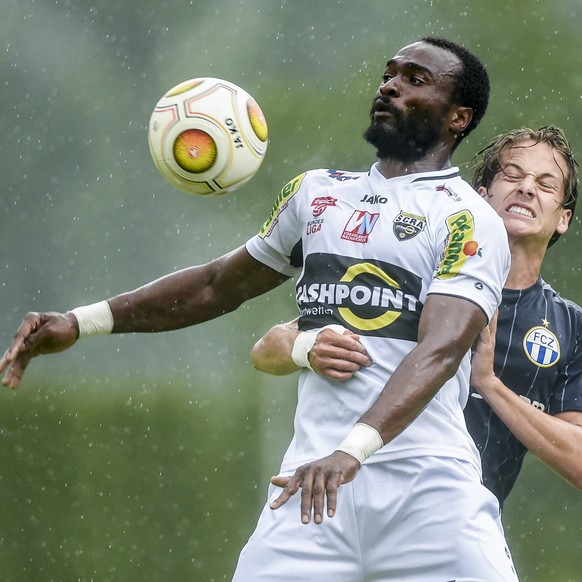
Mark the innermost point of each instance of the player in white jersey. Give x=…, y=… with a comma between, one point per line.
x=526, y=385
x=421, y=307
x=372, y=251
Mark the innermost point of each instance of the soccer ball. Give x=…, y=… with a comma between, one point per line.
x=207, y=136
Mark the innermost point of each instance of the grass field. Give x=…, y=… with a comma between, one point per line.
x=149, y=483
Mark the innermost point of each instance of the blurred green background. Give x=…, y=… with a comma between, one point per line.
x=147, y=457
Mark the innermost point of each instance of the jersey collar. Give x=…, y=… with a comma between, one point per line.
x=447, y=174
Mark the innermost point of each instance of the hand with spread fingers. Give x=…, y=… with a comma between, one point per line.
x=319, y=482
x=39, y=333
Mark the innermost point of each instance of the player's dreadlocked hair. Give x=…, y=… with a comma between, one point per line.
x=488, y=162
x=473, y=86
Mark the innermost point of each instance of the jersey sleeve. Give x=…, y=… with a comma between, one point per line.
x=279, y=241
x=567, y=395
x=474, y=257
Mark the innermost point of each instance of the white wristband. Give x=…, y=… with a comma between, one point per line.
x=305, y=341
x=362, y=442
x=301, y=348
x=94, y=319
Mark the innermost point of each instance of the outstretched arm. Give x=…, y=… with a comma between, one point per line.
x=178, y=300
x=193, y=295
x=556, y=440
x=448, y=328
x=334, y=355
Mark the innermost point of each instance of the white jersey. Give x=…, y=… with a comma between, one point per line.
x=366, y=252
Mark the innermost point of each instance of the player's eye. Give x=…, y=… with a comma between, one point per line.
x=548, y=186
x=512, y=176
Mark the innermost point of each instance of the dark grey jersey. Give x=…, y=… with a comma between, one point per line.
x=538, y=355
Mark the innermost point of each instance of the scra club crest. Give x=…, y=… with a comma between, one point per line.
x=407, y=226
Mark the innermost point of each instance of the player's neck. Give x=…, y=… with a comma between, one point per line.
x=435, y=160
x=525, y=267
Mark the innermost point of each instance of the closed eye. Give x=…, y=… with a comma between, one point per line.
x=548, y=187
x=512, y=175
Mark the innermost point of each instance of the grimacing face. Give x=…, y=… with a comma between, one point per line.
x=528, y=192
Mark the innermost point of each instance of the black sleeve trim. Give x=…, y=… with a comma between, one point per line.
x=466, y=299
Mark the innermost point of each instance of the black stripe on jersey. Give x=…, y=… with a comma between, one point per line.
x=465, y=298
x=296, y=258
x=440, y=178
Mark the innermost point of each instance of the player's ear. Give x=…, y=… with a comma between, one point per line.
x=482, y=191
x=564, y=221
x=460, y=119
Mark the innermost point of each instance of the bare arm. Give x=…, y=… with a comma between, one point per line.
x=272, y=353
x=448, y=328
x=193, y=295
x=335, y=356
x=181, y=299
x=556, y=440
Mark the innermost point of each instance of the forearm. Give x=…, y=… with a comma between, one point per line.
x=178, y=300
x=443, y=342
x=332, y=352
x=555, y=441
x=272, y=353
x=175, y=301
x=193, y=295
x=412, y=386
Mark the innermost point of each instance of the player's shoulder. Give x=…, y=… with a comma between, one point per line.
x=310, y=184
x=313, y=182
x=331, y=177
x=459, y=190
x=555, y=297
x=447, y=188
x=455, y=194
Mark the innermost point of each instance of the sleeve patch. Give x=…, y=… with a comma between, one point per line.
x=459, y=245
x=280, y=204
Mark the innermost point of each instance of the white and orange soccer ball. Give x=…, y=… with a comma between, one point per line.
x=207, y=136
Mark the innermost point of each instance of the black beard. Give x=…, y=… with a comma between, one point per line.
x=407, y=140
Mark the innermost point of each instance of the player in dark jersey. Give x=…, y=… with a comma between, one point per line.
x=531, y=179
x=531, y=398
x=538, y=354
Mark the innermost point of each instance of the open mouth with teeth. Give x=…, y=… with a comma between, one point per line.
x=521, y=210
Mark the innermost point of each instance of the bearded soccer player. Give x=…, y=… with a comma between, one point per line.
x=526, y=381
x=388, y=459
